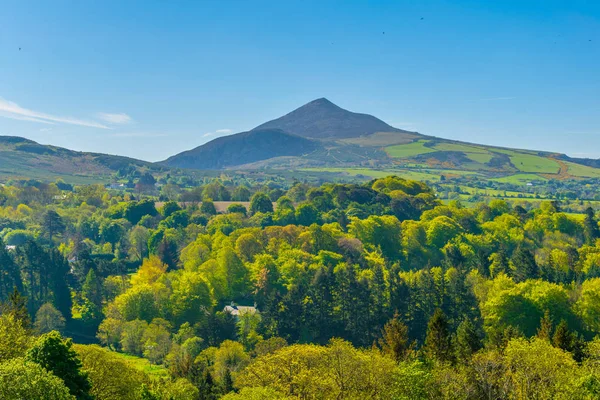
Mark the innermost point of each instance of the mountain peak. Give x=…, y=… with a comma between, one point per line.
x=323, y=119
x=321, y=102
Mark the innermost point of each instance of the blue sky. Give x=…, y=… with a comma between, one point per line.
x=148, y=79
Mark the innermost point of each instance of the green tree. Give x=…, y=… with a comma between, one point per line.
x=306, y=214
x=237, y=208
x=17, y=307
x=20, y=380
x=590, y=226
x=563, y=338
x=56, y=355
x=525, y=265
x=438, y=345
x=545, y=330
x=132, y=334
x=111, y=376
x=208, y=207
x=14, y=338
x=260, y=202
x=394, y=339
x=467, y=341
x=48, y=319
x=241, y=193
x=52, y=223
x=138, y=237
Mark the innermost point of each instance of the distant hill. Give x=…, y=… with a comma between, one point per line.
x=321, y=119
x=322, y=137
x=318, y=133
x=22, y=158
x=243, y=148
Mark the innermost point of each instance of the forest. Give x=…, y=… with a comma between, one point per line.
x=376, y=290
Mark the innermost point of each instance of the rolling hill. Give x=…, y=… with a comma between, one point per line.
x=22, y=158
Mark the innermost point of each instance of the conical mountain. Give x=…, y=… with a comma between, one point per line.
x=321, y=119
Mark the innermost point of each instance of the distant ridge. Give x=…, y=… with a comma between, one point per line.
x=321, y=119
x=22, y=158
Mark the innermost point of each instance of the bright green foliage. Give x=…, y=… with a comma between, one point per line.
x=14, y=338
x=111, y=377
x=588, y=305
x=332, y=372
x=20, y=379
x=384, y=265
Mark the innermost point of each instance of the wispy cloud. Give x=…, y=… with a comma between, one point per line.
x=138, y=134
x=9, y=109
x=22, y=118
x=119, y=118
x=46, y=130
x=404, y=125
x=218, y=132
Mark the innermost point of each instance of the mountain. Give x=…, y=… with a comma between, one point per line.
x=318, y=133
x=243, y=148
x=22, y=158
x=321, y=137
x=321, y=119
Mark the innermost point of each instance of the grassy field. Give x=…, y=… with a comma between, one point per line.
x=409, y=150
x=536, y=164
x=582, y=171
x=476, y=154
x=481, y=158
x=520, y=179
x=493, y=192
x=144, y=365
x=460, y=147
x=374, y=173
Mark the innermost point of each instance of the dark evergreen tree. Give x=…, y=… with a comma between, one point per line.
x=227, y=382
x=438, y=344
x=52, y=224
x=92, y=288
x=394, y=339
x=319, y=315
x=545, y=329
x=10, y=276
x=525, y=265
x=167, y=252
x=590, y=227
x=17, y=306
x=563, y=338
x=467, y=341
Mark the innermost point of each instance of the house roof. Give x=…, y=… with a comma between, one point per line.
x=237, y=310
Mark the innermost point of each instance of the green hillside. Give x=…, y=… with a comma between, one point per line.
x=25, y=159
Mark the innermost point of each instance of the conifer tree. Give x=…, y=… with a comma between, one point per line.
x=563, y=338
x=438, y=344
x=394, y=339
x=467, y=340
x=545, y=329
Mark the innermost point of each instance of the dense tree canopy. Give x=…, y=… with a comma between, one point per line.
x=374, y=290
